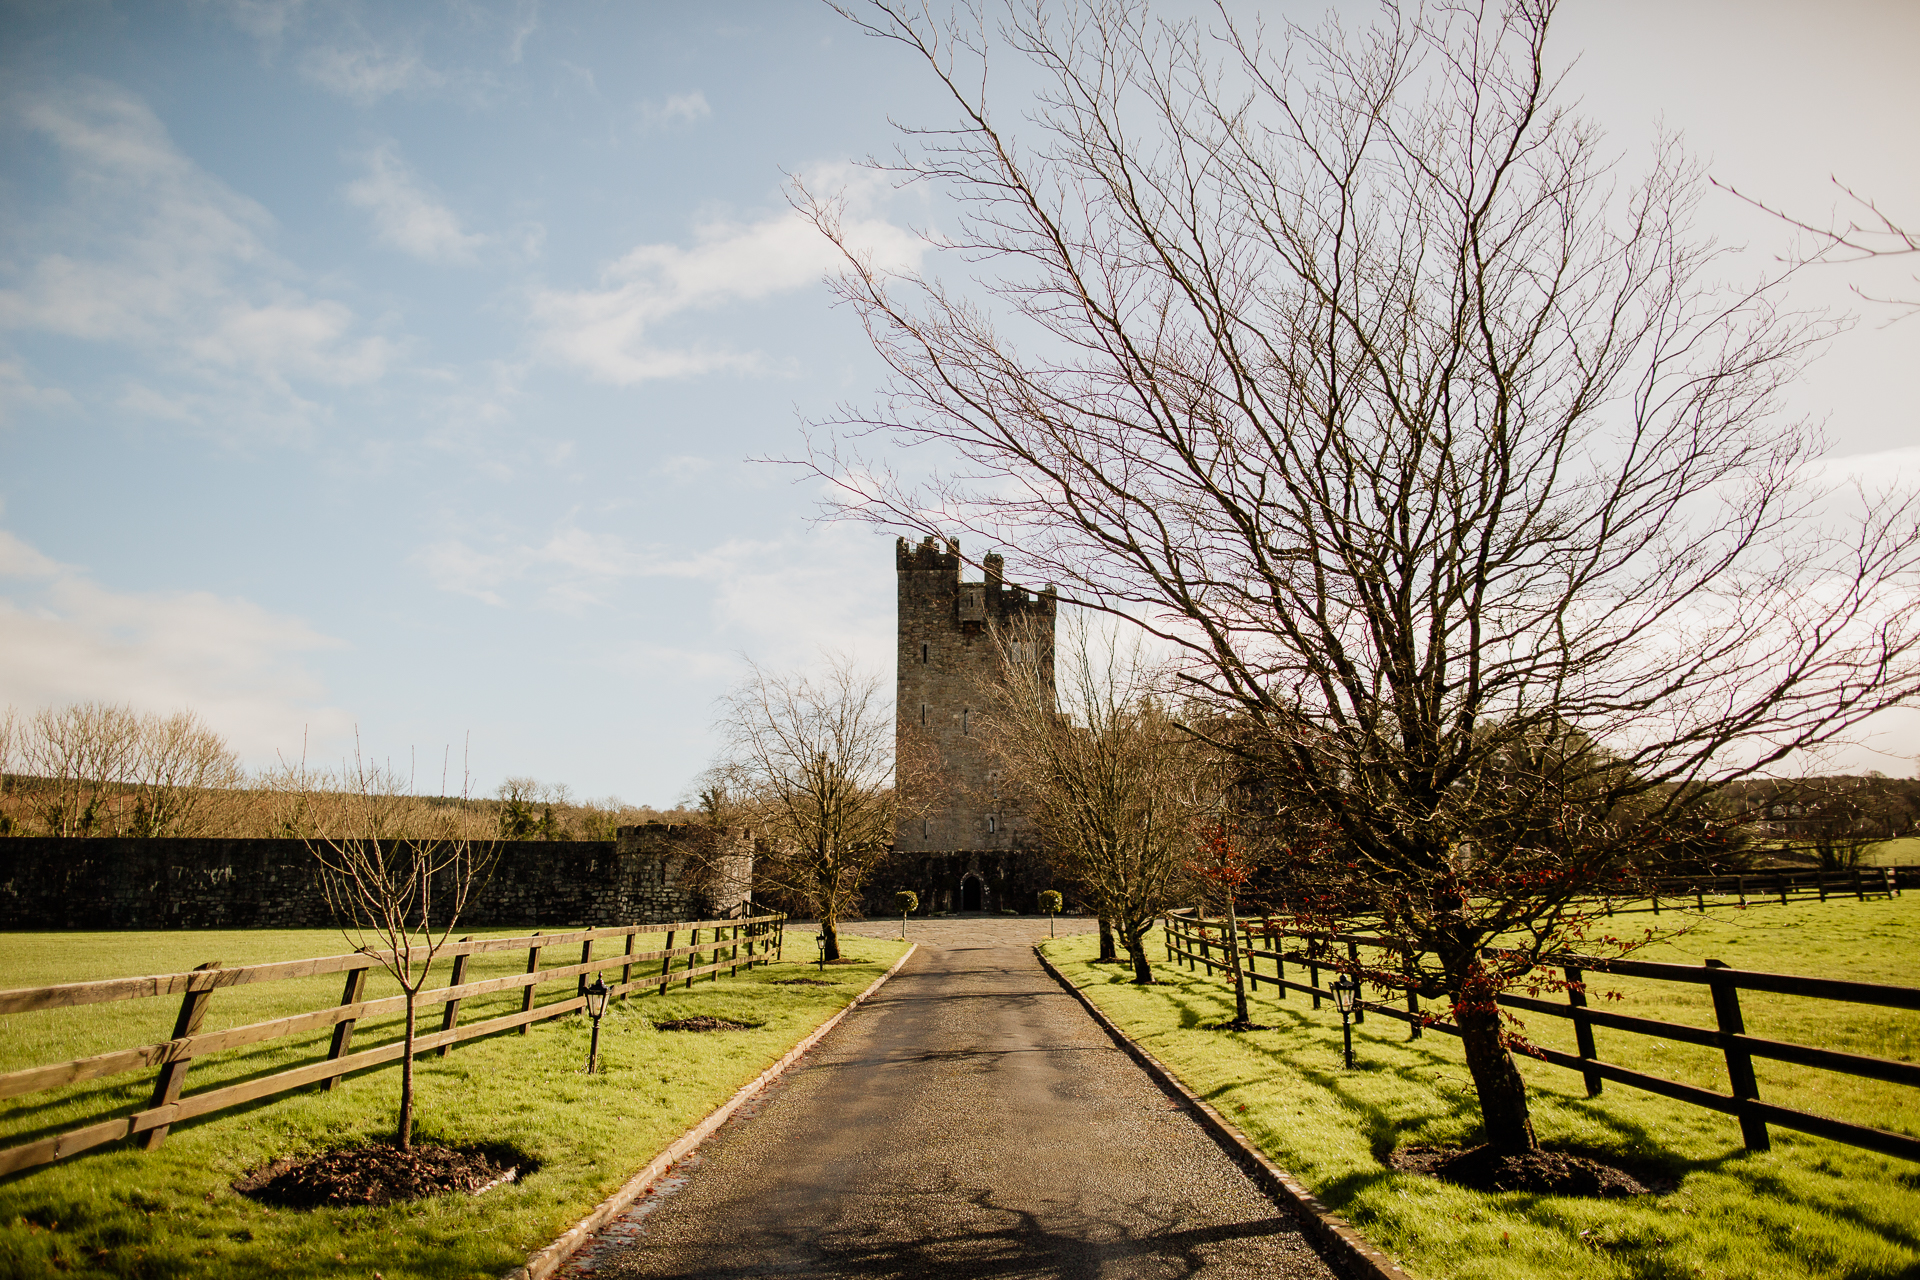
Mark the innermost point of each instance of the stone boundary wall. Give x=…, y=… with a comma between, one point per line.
x=652, y=873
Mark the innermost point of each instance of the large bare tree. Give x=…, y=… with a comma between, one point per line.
x=809, y=761
x=1423, y=429
x=1114, y=786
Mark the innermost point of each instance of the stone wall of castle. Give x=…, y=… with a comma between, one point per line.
x=977, y=829
x=651, y=873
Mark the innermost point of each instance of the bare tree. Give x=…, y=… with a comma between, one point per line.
x=1114, y=786
x=77, y=757
x=178, y=762
x=397, y=877
x=811, y=760
x=1433, y=444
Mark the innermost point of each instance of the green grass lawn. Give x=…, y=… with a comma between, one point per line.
x=1808, y=1208
x=172, y=1212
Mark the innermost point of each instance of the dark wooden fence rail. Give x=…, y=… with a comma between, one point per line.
x=1198, y=942
x=729, y=945
x=1784, y=885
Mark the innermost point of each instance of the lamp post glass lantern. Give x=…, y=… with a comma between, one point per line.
x=820, y=941
x=1345, y=993
x=596, y=1007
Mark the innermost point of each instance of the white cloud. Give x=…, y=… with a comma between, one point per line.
x=18, y=390
x=365, y=72
x=406, y=215
x=155, y=254
x=681, y=108
x=610, y=332
x=69, y=639
x=783, y=600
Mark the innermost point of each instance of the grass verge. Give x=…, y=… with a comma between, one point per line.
x=1808, y=1208
x=123, y=1212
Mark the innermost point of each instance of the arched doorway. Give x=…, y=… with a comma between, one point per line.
x=970, y=892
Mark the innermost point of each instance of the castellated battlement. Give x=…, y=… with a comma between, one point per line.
x=938, y=572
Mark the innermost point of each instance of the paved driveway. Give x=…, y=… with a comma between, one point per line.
x=971, y=1121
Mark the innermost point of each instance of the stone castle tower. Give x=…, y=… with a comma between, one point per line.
x=975, y=850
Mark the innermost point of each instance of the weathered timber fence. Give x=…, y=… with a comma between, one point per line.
x=1672, y=893
x=729, y=945
x=1192, y=940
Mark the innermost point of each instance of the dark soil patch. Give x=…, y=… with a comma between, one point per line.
x=803, y=982
x=1556, y=1173
x=705, y=1023
x=1234, y=1026
x=378, y=1174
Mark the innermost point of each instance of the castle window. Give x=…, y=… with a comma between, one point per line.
x=923, y=653
x=965, y=717
x=993, y=825
x=923, y=713
x=926, y=827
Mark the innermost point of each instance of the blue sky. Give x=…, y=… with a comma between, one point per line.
x=400, y=365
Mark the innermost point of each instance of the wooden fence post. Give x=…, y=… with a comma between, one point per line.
x=693, y=961
x=526, y=1000
x=451, y=1017
x=666, y=965
x=1741, y=884
x=1279, y=949
x=1726, y=1012
x=1780, y=882
x=1313, y=969
x=173, y=1072
x=586, y=957
x=1821, y=880
x=355, y=989
x=1353, y=958
x=1859, y=886
x=1413, y=997
x=1582, y=1027
x=626, y=970
x=733, y=953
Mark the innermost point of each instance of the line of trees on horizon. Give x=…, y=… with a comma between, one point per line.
x=93, y=769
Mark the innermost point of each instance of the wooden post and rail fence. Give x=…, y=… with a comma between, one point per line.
x=1782, y=885
x=1194, y=941
x=729, y=945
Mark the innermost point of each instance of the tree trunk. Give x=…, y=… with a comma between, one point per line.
x=831, y=929
x=406, y=1080
x=1240, y=1019
x=1503, y=1093
x=1142, y=967
x=1107, y=955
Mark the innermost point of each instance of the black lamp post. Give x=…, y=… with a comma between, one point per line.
x=596, y=1006
x=820, y=941
x=1346, y=993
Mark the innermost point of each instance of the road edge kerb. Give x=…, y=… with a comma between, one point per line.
x=547, y=1260
x=1340, y=1243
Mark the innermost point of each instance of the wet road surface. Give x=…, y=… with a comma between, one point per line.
x=971, y=1120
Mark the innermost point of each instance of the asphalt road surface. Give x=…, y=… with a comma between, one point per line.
x=969, y=1121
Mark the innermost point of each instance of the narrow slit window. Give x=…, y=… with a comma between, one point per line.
x=923, y=653
x=923, y=713
x=993, y=825
x=926, y=827
x=965, y=721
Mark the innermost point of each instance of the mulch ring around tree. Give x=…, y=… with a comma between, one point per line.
x=803, y=982
x=704, y=1022
x=379, y=1174
x=1234, y=1026
x=1557, y=1173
